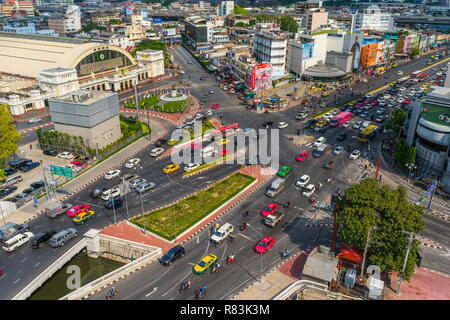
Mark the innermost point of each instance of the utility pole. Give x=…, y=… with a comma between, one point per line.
x=136, y=99
x=365, y=251
x=406, y=259
x=142, y=207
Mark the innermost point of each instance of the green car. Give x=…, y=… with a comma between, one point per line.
x=284, y=171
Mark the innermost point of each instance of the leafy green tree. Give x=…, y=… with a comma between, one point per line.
x=404, y=154
x=9, y=136
x=91, y=26
x=415, y=51
x=115, y=21
x=240, y=24
x=240, y=11
x=388, y=213
x=252, y=22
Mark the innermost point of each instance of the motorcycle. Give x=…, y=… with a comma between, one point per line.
x=313, y=199
x=285, y=254
x=230, y=259
x=329, y=179
x=199, y=293
x=243, y=226
x=185, y=287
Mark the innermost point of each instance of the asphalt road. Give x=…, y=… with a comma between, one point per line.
x=23, y=266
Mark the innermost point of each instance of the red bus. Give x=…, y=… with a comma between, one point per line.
x=227, y=130
x=340, y=118
x=415, y=74
x=423, y=76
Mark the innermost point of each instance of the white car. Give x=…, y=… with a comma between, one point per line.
x=110, y=193
x=198, y=116
x=354, y=155
x=282, y=125
x=223, y=232
x=302, y=181
x=327, y=116
x=369, y=96
x=209, y=113
x=399, y=72
x=182, y=72
x=386, y=96
x=191, y=166
x=381, y=111
x=379, y=119
x=65, y=155
x=224, y=88
x=132, y=163
x=402, y=89
x=319, y=142
x=211, y=91
x=111, y=174
x=400, y=100
x=309, y=190
x=16, y=241
x=34, y=120
x=357, y=125
x=156, y=152
x=439, y=74
x=335, y=112
x=346, y=124
x=338, y=150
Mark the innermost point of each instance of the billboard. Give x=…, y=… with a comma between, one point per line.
x=144, y=14
x=169, y=32
x=308, y=50
x=369, y=55
x=262, y=77
x=408, y=44
x=157, y=20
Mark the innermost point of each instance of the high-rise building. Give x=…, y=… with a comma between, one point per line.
x=69, y=22
x=302, y=6
x=198, y=32
x=373, y=18
x=225, y=8
x=315, y=18
x=270, y=47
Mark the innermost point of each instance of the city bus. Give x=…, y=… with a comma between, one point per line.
x=226, y=130
x=423, y=76
x=415, y=74
x=368, y=133
x=340, y=118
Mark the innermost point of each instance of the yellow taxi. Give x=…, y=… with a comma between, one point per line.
x=321, y=123
x=426, y=90
x=352, y=103
x=83, y=216
x=325, y=94
x=171, y=142
x=171, y=168
x=205, y=264
x=222, y=142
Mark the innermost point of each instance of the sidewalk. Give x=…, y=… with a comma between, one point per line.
x=28, y=212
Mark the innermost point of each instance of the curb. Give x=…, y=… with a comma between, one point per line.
x=34, y=128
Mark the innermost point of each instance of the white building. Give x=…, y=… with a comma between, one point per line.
x=226, y=8
x=120, y=41
x=307, y=51
x=72, y=19
x=373, y=18
x=271, y=47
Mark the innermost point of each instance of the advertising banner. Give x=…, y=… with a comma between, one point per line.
x=157, y=20
x=263, y=77
x=408, y=44
x=144, y=14
x=308, y=50
x=169, y=32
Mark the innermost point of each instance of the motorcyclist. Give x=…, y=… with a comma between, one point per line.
x=187, y=285
x=286, y=253
x=203, y=290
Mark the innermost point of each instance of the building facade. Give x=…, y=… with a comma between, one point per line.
x=270, y=47
x=316, y=18
x=427, y=128
x=373, y=18
x=225, y=8
x=90, y=114
x=15, y=8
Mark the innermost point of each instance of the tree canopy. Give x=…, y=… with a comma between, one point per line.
x=91, y=26
x=287, y=23
x=240, y=11
x=388, y=213
x=9, y=136
x=404, y=154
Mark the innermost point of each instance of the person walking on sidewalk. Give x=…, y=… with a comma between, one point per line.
x=380, y=177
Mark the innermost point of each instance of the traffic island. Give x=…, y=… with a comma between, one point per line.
x=189, y=211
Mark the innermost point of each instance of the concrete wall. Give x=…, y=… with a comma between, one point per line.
x=105, y=133
x=341, y=60
x=84, y=115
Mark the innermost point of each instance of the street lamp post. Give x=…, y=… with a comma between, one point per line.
x=406, y=259
x=142, y=207
x=410, y=166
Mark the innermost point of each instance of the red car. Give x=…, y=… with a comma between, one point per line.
x=224, y=152
x=358, y=105
x=269, y=209
x=78, y=164
x=264, y=245
x=195, y=146
x=302, y=156
x=375, y=103
x=79, y=208
x=367, y=101
x=215, y=106
x=407, y=101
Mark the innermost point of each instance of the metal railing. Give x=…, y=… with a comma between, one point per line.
x=301, y=285
x=112, y=276
x=58, y=264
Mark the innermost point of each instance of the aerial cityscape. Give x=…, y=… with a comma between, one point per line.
x=239, y=151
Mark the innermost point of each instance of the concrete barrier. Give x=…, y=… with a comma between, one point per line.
x=113, y=276
x=55, y=266
x=300, y=285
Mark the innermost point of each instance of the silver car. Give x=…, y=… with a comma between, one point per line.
x=144, y=187
x=136, y=182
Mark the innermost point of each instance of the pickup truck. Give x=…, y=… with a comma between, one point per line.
x=221, y=234
x=271, y=220
x=10, y=229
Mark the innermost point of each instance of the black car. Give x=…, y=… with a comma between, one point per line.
x=267, y=124
x=161, y=142
x=81, y=158
x=9, y=171
x=96, y=193
x=369, y=117
x=50, y=152
x=173, y=254
x=311, y=123
x=341, y=136
x=115, y=202
x=16, y=164
x=29, y=191
x=42, y=237
x=7, y=191
x=38, y=184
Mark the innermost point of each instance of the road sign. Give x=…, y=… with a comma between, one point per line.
x=61, y=171
x=35, y=200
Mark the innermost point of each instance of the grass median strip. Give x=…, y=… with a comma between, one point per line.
x=187, y=212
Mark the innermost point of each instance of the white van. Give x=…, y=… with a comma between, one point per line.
x=276, y=187
x=16, y=241
x=208, y=152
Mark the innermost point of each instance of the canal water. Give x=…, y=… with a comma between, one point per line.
x=60, y=283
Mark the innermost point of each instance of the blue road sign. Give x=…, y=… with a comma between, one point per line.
x=35, y=200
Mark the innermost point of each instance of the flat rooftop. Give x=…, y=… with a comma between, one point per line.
x=83, y=96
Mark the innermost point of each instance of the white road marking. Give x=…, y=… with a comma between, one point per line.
x=16, y=281
x=10, y=256
x=153, y=291
x=37, y=264
x=23, y=260
x=246, y=237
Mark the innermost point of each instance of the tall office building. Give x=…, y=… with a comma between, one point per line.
x=225, y=8
x=373, y=18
